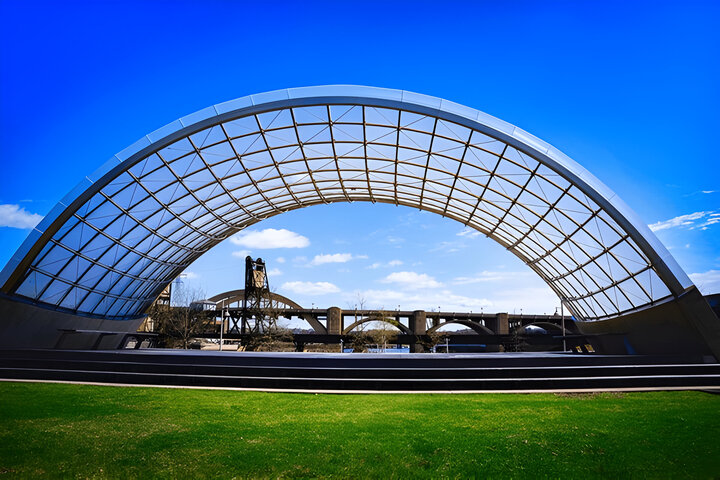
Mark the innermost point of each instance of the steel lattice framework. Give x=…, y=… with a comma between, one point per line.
x=110, y=247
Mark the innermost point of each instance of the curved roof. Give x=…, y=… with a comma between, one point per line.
x=113, y=243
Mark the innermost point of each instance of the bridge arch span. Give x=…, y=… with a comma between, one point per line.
x=237, y=296
x=480, y=329
x=112, y=244
x=551, y=328
x=347, y=330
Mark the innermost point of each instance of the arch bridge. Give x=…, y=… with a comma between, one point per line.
x=331, y=325
x=336, y=321
x=107, y=250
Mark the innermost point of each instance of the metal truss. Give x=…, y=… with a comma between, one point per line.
x=112, y=248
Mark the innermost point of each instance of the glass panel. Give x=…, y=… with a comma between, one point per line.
x=278, y=119
x=209, y=136
x=241, y=127
x=33, y=285
x=54, y=292
x=90, y=302
x=55, y=260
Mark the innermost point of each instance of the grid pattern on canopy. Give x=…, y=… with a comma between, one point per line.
x=136, y=234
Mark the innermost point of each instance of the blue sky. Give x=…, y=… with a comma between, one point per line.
x=627, y=89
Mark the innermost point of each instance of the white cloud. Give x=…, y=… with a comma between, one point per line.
x=412, y=280
x=449, y=247
x=469, y=232
x=712, y=219
x=241, y=253
x=532, y=296
x=686, y=221
x=274, y=272
x=280, y=260
x=189, y=275
x=310, y=288
x=709, y=191
x=269, y=238
x=334, y=258
x=445, y=299
x=391, y=263
x=14, y=216
x=707, y=282
x=487, y=276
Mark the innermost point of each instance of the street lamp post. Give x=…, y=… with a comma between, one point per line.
x=222, y=324
x=562, y=325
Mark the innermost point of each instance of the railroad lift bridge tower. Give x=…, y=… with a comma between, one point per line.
x=257, y=309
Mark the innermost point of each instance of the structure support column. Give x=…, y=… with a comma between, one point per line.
x=418, y=326
x=499, y=325
x=334, y=321
x=502, y=325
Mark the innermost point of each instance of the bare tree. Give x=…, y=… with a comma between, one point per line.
x=384, y=322
x=275, y=339
x=431, y=339
x=360, y=337
x=375, y=329
x=360, y=303
x=178, y=324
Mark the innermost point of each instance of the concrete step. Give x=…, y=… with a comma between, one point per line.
x=458, y=360
x=360, y=371
x=337, y=372
x=363, y=384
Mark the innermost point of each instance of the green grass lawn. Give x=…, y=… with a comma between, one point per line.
x=83, y=431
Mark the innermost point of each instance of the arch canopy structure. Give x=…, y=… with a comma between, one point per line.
x=111, y=245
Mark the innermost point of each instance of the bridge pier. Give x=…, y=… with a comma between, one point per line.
x=335, y=321
x=418, y=326
x=500, y=324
